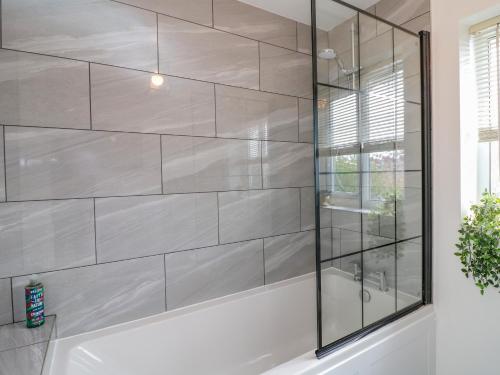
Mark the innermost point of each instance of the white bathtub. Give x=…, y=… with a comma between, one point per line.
x=272, y=328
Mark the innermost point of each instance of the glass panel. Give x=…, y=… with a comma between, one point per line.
x=341, y=301
x=369, y=138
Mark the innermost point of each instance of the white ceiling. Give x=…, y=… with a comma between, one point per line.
x=329, y=13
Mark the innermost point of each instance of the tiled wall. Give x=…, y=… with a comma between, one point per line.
x=129, y=199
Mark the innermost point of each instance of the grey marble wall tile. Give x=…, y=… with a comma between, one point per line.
x=367, y=28
x=43, y=91
x=376, y=56
x=340, y=37
x=250, y=114
x=289, y=256
x=304, y=38
x=195, y=164
x=412, y=117
x=198, y=275
x=252, y=22
x=130, y=227
x=245, y=215
x=91, y=30
x=179, y=106
x=398, y=11
x=2, y=166
x=307, y=208
x=285, y=72
x=345, y=219
x=17, y=335
x=419, y=23
x=5, y=302
x=58, y=163
x=97, y=296
x=45, y=236
x=409, y=264
x=199, y=11
x=412, y=89
x=411, y=146
x=27, y=360
x=306, y=120
x=406, y=53
x=194, y=51
x=287, y=164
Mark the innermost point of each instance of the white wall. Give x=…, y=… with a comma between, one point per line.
x=468, y=324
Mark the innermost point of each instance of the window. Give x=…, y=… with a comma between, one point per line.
x=485, y=46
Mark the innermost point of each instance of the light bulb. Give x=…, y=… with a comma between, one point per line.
x=156, y=81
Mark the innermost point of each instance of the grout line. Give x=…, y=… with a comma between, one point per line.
x=12, y=298
x=90, y=99
x=152, y=72
x=152, y=195
x=213, y=15
x=95, y=233
x=215, y=110
x=162, y=134
x=4, y=163
x=264, y=261
x=300, y=210
x=157, y=254
x=262, y=164
x=259, y=57
x=157, y=44
x=165, y=279
x=218, y=220
x=161, y=166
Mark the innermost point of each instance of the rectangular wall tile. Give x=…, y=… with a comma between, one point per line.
x=304, y=38
x=130, y=227
x=92, y=30
x=398, y=12
x=2, y=167
x=107, y=294
x=250, y=114
x=287, y=164
x=306, y=120
x=45, y=236
x=195, y=164
x=198, y=52
x=289, y=256
x=419, y=23
x=58, y=163
x=198, y=275
x=246, y=20
x=43, y=91
x=5, y=302
x=285, y=72
x=199, y=11
x=245, y=215
x=179, y=106
x=307, y=213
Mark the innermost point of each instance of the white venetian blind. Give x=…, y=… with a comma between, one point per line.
x=486, y=55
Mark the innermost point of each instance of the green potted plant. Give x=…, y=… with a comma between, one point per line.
x=479, y=243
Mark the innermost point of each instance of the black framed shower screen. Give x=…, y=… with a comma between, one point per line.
x=372, y=145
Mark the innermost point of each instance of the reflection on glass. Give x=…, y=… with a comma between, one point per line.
x=369, y=138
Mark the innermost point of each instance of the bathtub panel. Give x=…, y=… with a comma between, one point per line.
x=179, y=106
x=97, y=296
x=131, y=227
x=251, y=114
x=287, y=164
x=43, y=91
x=198, y=275
x=46, y=236
x=5, y=302
x=92, y=30
x=245, y=215
x=60, y=163
x=193, y=51
x=195, y=164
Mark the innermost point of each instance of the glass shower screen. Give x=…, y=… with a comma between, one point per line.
x=369, y=135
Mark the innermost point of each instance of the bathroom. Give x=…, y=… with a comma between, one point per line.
x=247, y=186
